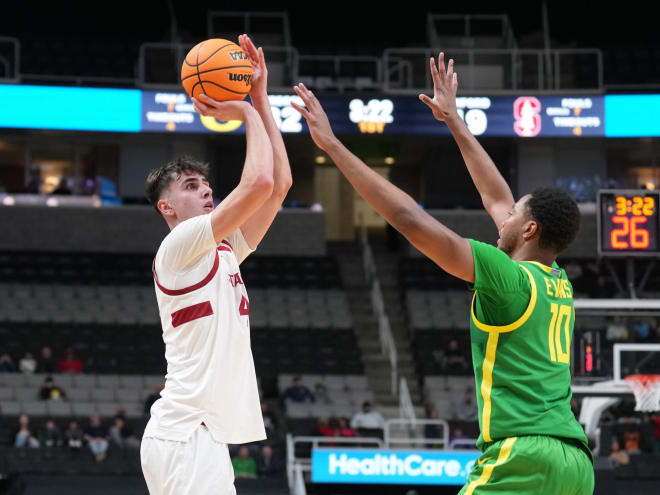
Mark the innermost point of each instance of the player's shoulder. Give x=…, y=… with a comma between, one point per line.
x=187, y=228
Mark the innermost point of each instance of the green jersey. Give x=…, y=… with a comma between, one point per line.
x=521, y=325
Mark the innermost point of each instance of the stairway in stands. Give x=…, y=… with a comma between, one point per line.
x=377, y=366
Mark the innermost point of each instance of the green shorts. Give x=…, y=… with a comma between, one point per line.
x=539, y=465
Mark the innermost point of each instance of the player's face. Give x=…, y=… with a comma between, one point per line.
x=511, y=228
x=190, y=196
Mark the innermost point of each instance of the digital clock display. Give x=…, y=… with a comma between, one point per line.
x=628, y=222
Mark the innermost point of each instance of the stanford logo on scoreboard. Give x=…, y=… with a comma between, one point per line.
x=527, y=116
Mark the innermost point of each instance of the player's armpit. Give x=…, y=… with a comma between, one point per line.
x=239, y=205
x=497, y=210
x=443, y=246
x=254, y=229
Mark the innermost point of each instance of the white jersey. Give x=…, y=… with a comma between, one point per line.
x=204, y=310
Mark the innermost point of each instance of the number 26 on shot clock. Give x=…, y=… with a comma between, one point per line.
x=628, y=223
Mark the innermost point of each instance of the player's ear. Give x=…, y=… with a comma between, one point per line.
x=165, y=207
x=530, y=229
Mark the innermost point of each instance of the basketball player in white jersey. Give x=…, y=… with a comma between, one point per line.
x=210, y=397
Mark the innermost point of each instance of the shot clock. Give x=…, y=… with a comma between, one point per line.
x=628, y=223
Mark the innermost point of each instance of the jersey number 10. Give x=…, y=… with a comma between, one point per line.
x=561, y=313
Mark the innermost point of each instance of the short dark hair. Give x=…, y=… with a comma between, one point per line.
x=160, y=178
x=557, y=215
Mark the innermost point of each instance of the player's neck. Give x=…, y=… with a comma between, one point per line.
x=529, y=252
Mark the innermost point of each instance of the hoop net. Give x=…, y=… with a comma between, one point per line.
x=646, y=389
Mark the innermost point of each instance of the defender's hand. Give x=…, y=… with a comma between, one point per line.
x=445, y=84
x=317, y=120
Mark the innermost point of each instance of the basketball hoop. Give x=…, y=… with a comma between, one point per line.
x=647, y=391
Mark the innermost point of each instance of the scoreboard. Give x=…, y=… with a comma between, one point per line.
x=628, y=223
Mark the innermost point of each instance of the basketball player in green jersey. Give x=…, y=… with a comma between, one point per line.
x=522, y=312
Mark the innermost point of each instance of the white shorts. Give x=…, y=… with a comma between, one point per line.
x=200, y=466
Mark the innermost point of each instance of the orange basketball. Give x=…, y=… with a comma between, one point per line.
x=218, y=68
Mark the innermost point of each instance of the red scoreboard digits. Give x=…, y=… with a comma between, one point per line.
x=628, y=223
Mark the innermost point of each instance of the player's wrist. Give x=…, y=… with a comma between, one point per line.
x=452, y=118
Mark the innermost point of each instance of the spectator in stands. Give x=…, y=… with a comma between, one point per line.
x=63, y=188
x=70, y=363
x=324, y=429
x=244, y=465
x=122, y=434
x=50, y=391
x=47, y=363
x=457, y=434
x=642, y=330
x=321, y=394
x=50, y=435
x=616, y=330
x=466, y=410
x=28, y=364
x=151, y=399
x=618, y=457
x=432, y=431
x=267, y=464
x=270, y=422
x=33, y=185
x=7, y=364
x=454, y=357
x=368, y=422
x=298, y=392
x=96, y=436
x=655, y=420
x=74, y=436
x=344, y=429
x=23, y=435
x=631, y=442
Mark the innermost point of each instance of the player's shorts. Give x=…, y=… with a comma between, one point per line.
x=199, y=466
x=537, y=464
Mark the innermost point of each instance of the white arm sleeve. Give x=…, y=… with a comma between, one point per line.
x=187, y=243
x=239, y=245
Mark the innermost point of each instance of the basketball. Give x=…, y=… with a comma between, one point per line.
x=218, y=68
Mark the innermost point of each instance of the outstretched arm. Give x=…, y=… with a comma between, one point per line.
x=256, y=184
x=495, y=192
x=450, y=251
x=258, y=224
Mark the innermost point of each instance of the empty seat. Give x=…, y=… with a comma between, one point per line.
x=133, y=409
x=107, y=381
x=103, y=395
x=83, y=409
x=131, y=381
x=150, y=381
x=58, y=408
x=34, y=408
x=6, y=393
x=107, y=409
x=24, y=394
x=297, y=410
x=64, y=380
x=36, y=379
x=12, y=379
x=84, y=381
x=357, y=382
x=10, y=408
x=128, y=395
x=79, y=394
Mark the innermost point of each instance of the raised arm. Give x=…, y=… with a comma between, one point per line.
x=258, y=224
x=447, y=249
x=495, y=192
x=256, y=184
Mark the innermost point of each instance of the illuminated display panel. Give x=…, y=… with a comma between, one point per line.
x=628, y=223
